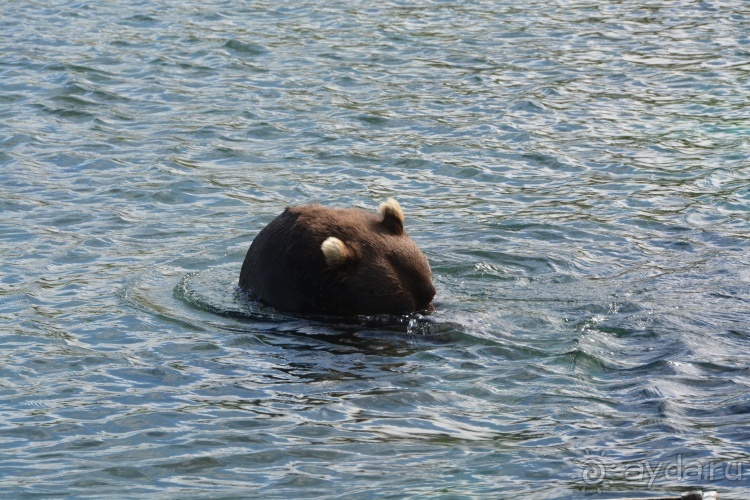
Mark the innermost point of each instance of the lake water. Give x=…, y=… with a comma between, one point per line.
x=577, y=172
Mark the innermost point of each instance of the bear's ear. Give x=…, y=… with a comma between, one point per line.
x=335, y=251
x=393, y=216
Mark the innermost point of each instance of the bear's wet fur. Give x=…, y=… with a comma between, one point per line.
x=342, y=262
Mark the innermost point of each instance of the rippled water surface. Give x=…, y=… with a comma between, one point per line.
x=577, y=173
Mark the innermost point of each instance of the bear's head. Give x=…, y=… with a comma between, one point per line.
x=377, y=265
x=316, y=259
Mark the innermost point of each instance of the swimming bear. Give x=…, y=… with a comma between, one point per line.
x=342, y=262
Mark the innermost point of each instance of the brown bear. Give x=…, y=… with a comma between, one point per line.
x=314, y=259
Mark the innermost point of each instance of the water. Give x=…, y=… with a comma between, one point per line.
x=576, y=172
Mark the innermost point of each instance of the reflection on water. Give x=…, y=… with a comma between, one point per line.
x=576, y=172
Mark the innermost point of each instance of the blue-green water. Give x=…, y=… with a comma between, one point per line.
x=576, y=172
